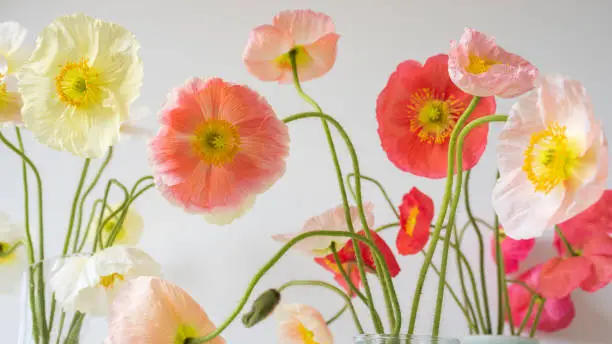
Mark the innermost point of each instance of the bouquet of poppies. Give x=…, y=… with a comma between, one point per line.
x=221, y=144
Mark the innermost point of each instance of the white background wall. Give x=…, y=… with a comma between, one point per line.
x=206, y=38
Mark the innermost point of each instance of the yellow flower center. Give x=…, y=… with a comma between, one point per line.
x=306, y=334
x=302, y=58
x=549, y=158
x=79, y=85
x=479, y=65
x=109, y=280
x=5, y=97
x=412, y=220
x=432, y=116
x=217, y=141
x=185, y=332
x=4, y=248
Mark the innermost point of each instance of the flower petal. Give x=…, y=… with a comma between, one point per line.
x=561, y=276
x=416, y=214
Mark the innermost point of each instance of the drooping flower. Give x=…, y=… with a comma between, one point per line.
x=348, y=260
x=308, y=34
x=552, y=157
x=13, y=54
x=130, y=232
x=478, y=66
x=219, y=146
x=89, y=284
x=417, y=111
x=331, y=220
x=79, y=83
x=580, y=228
x=590, y=268
x=513, y=251
x=301, y=324
x=13, y=260
x=416, y=214
x=558, y=313
x=149, y=310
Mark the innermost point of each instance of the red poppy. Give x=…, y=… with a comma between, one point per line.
x=416, y=214
x=513, y=251
x=351, y=269
x=418, y=110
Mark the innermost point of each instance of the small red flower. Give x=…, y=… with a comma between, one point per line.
x=418, y=110
x=513, y=251
x=416, y=214
x=351, y=269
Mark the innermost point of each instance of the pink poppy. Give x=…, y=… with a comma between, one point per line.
x=149, y=310
x=579, y=229
x=417, y=112
x=310, y=35
x=552, y=157
x=416, y=214
x=478, y=66
x=558, y=313
x=219, y=146
x=301, y=324
x=513, y=251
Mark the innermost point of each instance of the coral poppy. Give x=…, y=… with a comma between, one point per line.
x=310, y=35
x=220, y=145
x=478, y=66
x=416, y=214
x=13, y=54
x=553, y=159
x=79, y=83
x=417, y=112
x=331, y=220
x=301, y=324
x=579, y=229
x=513, y=251
x=558, y=313
x=172, y=315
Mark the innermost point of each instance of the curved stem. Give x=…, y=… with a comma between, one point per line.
x=40, y=290
x=532, y=303
x=109, y=184
x=466, y=298
x=267, y=268
x=380, y=187
x=453, y=209
x=93, y=184
x=568, y=246
x=389, y=225
x=524, y=285
x=328, y=286
x=481, y=252
x=536, y=321
x=92, y=214
x=113, y=236
x=77, y=196
x=338, y=315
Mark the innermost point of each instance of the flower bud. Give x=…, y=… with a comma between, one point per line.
x=263, y=306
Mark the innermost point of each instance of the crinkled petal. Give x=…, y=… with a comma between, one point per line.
x=561, y=276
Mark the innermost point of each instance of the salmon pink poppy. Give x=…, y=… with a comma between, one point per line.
x=417, y=111
x=149, y=310
x=416, y=214
x=557, y=314
x=220, y=145
x=480, y=67
x=301, y=324
x=513, y=251
x=553, y=159
x=310, y=35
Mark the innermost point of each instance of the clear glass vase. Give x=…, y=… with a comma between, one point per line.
x=85, y=329
x=402, y=339
x=493, y=339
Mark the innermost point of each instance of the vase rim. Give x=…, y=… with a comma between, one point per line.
x=401, y=336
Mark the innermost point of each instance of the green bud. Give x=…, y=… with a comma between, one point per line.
x=263, y=306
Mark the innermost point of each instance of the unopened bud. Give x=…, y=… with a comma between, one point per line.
x=263, y=306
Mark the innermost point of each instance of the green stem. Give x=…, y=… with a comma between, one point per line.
x=534, y=298
x=328, y=286
x=93, y=184
x=40, y=290
x=524, y=285
x=113, y=236
x=92, y=215
x=481, y=252
x=98, y=237
x=338, y=315
x=466, y=298
x=453, y=209
x=389, y=225
x=75, y=201
x=388, y=288
x=536, y=321
x=270, y=264
x=568, y=246
x=61, y=327
x=380, y=187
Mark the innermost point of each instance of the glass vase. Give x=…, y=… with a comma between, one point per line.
x=492, y=339
x=85, y=329
x=402, y=339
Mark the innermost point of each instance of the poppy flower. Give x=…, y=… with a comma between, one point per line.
x=13, y=264
x=417, y=111
x=513, y=251
x=13, y=54
x=416, y=214
x=301, y=324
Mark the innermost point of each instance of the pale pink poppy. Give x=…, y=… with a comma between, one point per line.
x=311, y=35
x=558, y=313
x=149, y=310
x=301, y=324
x=331, y=220
x=552, y=157
x=219, y=146
x=480, y=67
x=513, y=251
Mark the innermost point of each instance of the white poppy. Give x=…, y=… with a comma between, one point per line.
x=89, y=284
x=13, y=54
x=14, y=264
x=130, y=232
